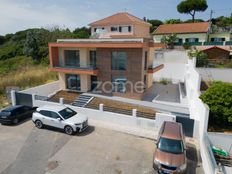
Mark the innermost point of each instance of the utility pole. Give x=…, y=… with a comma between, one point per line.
x=211, y=15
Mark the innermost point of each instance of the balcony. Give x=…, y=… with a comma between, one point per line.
x=89, y=69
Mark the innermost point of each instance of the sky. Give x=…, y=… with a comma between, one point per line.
x=16, y=15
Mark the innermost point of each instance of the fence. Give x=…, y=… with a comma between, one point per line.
x=200, y=113
x=99, y=115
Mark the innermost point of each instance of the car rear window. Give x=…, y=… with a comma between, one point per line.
x=170, y=145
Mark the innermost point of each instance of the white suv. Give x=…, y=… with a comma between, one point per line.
x=60, y=117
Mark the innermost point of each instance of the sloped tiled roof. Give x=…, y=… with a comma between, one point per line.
x=198, y=27
x=122, y=18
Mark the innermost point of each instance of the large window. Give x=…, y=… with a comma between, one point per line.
x=119, y=84
x=119, y=60
x=73, y=82
x=72, y=57
x=145, y=61
x=190, y=40
x=93, y=58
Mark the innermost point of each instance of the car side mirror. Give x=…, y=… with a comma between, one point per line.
x=59, y=119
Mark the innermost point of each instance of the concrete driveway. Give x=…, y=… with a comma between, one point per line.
x=25, y=149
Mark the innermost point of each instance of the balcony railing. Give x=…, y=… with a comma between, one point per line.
x=79, y=67
x=213, y=43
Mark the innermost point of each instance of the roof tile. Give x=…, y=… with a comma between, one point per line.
x=122, y=18
x=198, y=27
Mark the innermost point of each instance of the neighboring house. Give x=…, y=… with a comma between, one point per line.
x=120, y=25
x=82, y=62
x=199, y=33
x=217, y=54
x=192, y=33
x=222, y=38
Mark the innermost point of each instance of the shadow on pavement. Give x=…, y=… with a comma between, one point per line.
x=192, y=156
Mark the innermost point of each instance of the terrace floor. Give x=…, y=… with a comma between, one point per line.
x=161, y=92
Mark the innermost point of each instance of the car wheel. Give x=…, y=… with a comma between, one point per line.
x=68, y=130
x=38, y=124
x=15, y=121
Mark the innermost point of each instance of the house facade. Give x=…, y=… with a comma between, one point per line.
x=196, y=34
x=109, y=61
x=191, y=33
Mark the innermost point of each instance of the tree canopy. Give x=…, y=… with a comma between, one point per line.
x=192, y=6
x=218, y=98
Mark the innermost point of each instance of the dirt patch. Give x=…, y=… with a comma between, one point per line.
x=68, y=96
x=52, y=165
x=122, y=106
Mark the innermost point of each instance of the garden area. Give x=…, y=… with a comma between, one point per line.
x=219, y=99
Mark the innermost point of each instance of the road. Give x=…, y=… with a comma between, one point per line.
x=28, y=150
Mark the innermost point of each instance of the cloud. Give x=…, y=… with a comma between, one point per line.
x=18, y=16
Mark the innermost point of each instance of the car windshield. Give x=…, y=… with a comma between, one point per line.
x=67, y=113
x=171, y=146
x=5, y=113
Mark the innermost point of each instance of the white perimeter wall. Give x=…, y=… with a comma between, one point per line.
x=174, y=65
x=200, y=113
x=216, y=74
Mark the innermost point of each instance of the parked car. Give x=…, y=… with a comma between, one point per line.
x=60, y=117
x=14, y=114
x=170, y=154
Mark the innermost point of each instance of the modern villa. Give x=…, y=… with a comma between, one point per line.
x=118, y=51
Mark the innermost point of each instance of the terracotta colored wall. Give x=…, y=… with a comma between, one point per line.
x=135, y=66
x=54, y=56
x=142, y=31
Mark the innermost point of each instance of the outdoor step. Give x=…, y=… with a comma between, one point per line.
x=82, y=100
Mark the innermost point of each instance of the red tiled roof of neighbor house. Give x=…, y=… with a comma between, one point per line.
x=198, y=27
x=215, y=47
x=122, y=18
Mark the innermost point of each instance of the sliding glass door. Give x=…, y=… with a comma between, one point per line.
x=73, y=82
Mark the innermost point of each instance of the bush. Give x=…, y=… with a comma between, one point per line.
x=165, y=81
x=218, y=98
x=186, y=46
x=202, y=58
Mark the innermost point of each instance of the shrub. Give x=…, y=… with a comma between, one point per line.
x=218, y=98
x=202, y=58
x=165, y=81
x=186, y=46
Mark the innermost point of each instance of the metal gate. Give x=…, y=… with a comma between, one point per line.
x=187, y=124
x=23, y=99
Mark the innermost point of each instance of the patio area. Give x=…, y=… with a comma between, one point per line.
x=162, y=92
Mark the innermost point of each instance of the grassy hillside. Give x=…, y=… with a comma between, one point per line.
x=24, y=57
x=24, y=73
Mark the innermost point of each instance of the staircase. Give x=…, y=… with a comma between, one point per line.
x=82, y=100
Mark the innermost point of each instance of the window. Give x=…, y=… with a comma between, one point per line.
x=113, y=29
x=145, y=79
x=45, y=113
x=67, y=113
x=54, y=115
x=119, y=60
x=189, y=40
x=95, y=29
x=71, y=58
x=145, y=61
x=125, y=29
x=119, y=84
x=129, y=28
x=171, y=146
x=93, y=58
x=218, y=39
x=120, y=29
x=73, y=82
